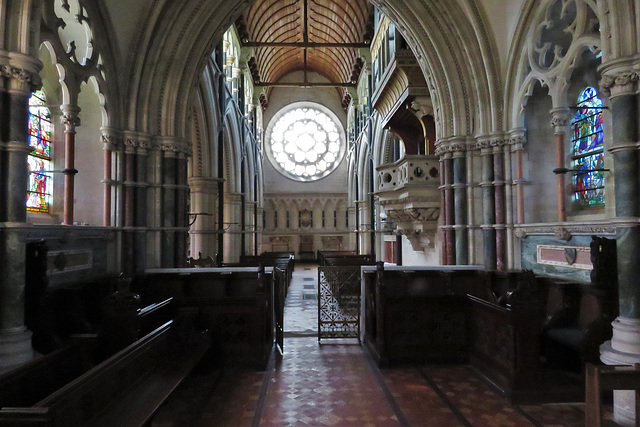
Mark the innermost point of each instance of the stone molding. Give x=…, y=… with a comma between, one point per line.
x=564, y=231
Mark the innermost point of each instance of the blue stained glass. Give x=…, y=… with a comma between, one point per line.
x=588, y=150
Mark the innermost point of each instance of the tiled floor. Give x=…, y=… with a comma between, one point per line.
x=336, y=384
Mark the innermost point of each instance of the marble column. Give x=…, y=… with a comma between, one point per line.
x=110, y=141
x=182, y=224
x=514, y=205
x=488, y=204
x=448, y=210
x=70, y=119
x=19, y=81
x=560, y=121
x=169, y=205
x=460, y=207
x=499, y=198
x=624, y=347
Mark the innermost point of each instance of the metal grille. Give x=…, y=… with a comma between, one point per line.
x=339, y=302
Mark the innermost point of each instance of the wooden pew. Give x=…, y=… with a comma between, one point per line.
x=234, y=304
x=579, y=319
x=332, y=259
x=606, y=378
x=505, y=347
x=423, y=315
x=124, y=390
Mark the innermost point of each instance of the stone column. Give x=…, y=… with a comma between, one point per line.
x=448, y=207
x=559, y=121
x=499, y=197
x=182, y=223
x=460, y=207
x=471, y=239
x=488, y=204
x=232, y=231
x=110, y=140
x=20, y=80
x=624, y=347
x=204, y=201
x=514, y=180
x=363, y=214
x=70, y=120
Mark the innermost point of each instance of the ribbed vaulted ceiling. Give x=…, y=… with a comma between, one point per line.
x=316, y=35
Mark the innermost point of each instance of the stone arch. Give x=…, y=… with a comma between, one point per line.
x=448, y=40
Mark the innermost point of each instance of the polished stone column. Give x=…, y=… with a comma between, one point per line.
x=499, y=198
x=182, y=224
x=560, y=121
x=460, y=208
x=169, y=205
x=514, y=200
x=624, y=347
x=110, y=140
x=488, y=204
x=448, y=210
x=19, y=81
x=70, y=119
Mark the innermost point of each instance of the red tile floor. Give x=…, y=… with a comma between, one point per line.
x=337, y=384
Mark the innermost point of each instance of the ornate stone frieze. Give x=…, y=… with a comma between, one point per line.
x=485, y=143
x=450, y=147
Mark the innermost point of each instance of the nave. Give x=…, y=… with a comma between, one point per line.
x=336, y=383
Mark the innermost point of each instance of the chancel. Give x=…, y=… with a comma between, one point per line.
x=319, y=212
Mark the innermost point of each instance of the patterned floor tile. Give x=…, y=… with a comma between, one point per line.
x=335, y=384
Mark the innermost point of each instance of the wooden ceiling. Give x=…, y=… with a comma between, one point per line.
x=312, y=35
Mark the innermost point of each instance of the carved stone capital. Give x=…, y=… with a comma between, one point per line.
x=622, y=83
x=111, y=138
x=450, y=147
x=21, y=80
x=70, y=117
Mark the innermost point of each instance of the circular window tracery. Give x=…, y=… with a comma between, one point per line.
x=305, y=144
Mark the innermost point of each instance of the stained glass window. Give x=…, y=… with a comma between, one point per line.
x=588, y=150
x=305, y=144
x=39, y=160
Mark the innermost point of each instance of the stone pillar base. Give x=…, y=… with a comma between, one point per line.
x=15, y=347
x=623, y=349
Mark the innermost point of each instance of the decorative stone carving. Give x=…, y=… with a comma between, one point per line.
x=70, y=118
x=619, y=84
x=21, y=80
x=562, y=234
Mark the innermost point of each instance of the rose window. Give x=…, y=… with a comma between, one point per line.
x=305, y=144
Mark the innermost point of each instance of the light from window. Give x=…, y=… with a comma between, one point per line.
x=39, y=160
x=588, y=150
x=305, y=144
